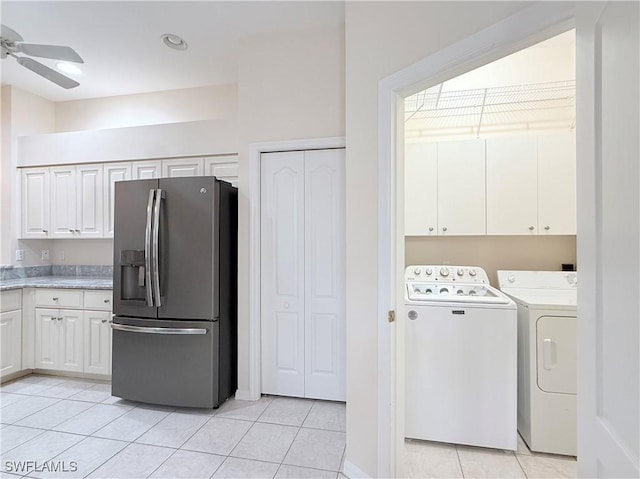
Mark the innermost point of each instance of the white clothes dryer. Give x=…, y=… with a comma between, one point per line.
x=546, y=357
x=460, y=358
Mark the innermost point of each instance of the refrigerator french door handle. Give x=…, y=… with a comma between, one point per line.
x=147, y=250
x=156, y=249
x=151, y=330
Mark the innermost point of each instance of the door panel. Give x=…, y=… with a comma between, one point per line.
x=188, y=224
x=112, y=173
x=47, y=338
x=97, y=342
x=282, y=273
x=146, y=170
x=324, y=237
x=35, y=203
x=556, y=354
x=63, y=202
x=90, y=210
x=182, y=167
x=608, y=67
x=421, y=189
x=10, y=342
x=131, y=200
x=71, y=340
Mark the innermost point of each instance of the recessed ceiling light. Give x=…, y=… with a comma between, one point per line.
x=69, y=68
x=174, y=41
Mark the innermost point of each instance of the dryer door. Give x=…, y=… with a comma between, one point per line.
x=556, y=354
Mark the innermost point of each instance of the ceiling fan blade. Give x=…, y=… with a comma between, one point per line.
x=56, y=52
x=47, y=73
x=9, y=35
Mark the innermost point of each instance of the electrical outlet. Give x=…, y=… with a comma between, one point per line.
x=45, y=254
x=19, y=255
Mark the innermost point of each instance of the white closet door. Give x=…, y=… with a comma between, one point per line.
x=325, y=333
x=282, y=273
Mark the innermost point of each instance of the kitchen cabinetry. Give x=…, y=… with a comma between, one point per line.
x=182, y=167
x=421, y=189
x=35, y=203
x=146, y=170
x=302, y=274
x=76, y=201
x=112, y=173
x=10, y=332
x=70, y=337
x=222, y=167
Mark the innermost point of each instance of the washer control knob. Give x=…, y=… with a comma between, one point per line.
x=460, y=272
x=416, y=271
x=444, y=291
x=429, y=271
x=444, y=272
x=472, y=272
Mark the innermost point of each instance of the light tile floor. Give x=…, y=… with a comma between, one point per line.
x=78, y=424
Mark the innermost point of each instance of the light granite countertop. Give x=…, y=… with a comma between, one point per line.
x=61, y=282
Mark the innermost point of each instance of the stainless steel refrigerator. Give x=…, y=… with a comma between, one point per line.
x=175, y=291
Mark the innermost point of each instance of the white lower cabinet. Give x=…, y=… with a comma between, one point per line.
x=97, y=342
x=59, y=339
x=10, y=342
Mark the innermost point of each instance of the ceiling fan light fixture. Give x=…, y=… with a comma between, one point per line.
x=69, y=68
x=174, y=41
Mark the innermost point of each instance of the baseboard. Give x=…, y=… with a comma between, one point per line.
x=245, y=395
x=16, y=375
x=353, y=472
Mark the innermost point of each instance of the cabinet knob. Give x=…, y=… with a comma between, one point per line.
x=44, y=230
x=430, y=228
x=107, y=300
x=60, y=318
x=444, y=228
x=547, y=228
x=71, y=230
x=55, y=299
x=103, y=321
x=76, y=231
x=530, y=228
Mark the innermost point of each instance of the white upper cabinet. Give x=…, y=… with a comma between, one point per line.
x=146, y=170
x=112, y=173
x=76, y=202
x=421, y=189
x=557, y=184
x=63, y=202
x=222, y=167
x=35, y=203
x=512, y=186
x=461, y=188
x=182, y=167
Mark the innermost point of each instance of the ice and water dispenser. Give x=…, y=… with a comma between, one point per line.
x=132, y=270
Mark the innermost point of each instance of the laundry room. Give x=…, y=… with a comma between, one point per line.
x=490, y=204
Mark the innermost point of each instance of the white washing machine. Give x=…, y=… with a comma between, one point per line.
x=546, y=357
x=460, y=358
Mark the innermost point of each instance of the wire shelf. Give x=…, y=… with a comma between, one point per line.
x=473, y=110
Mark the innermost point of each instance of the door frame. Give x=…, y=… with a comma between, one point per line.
x=255, y=152
x=516, y=32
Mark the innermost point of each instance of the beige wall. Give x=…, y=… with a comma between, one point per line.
x=381, y=39
x=542, y=253
x=22, y=114
x=290, y=86
x=172, y=106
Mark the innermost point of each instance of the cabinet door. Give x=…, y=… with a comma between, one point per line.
x=71, y=340
x=282, y=273
x=324, y=281
x=557, y=184
x=146, y=170
x=512, y=191
x=222, y=167
x=421, y=189
x=112, y=173
x=10, y=342
x=35, y=203
x=63, y=202
x=90, y=196
x=47, y=338
x=97, y=342
x=182, y=167
x=461, y=188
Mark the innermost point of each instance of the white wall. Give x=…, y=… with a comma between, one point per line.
x=381, y=39
x=290, y=86
x=22, y=114
x=173, y=106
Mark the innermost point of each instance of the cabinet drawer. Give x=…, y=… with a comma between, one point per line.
x=59, y=298
x=97, y=300
x=10, y=300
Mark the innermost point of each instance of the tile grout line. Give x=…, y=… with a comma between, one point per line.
x=522, y=468
x=294, y=439
x=459, y=462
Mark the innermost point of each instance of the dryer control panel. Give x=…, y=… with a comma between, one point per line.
x=446, y=274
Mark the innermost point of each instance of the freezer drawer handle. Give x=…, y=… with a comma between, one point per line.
x=151, y=330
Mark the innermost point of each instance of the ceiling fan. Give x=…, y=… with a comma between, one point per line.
x=11, y=43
